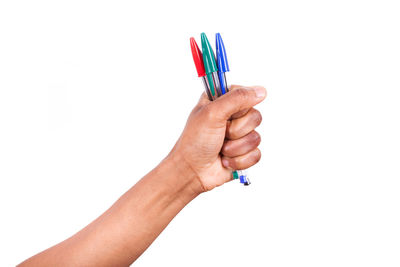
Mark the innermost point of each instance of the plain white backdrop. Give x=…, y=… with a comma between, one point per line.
x=93, y=94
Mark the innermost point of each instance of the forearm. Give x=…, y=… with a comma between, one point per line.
x=123, y=232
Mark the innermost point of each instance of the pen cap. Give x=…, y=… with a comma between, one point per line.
x=222, y=60
x=208, y=55
x=197, y=58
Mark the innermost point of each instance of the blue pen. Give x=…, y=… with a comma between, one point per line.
x=222, y=64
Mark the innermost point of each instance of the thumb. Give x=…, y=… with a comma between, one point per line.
x=236, y=100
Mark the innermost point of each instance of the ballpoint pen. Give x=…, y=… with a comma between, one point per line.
x=210, y=67
x=222, y=64
x=198, y=62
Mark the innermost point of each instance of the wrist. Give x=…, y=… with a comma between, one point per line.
x=183, y=176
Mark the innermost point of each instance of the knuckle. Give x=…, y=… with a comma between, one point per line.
x=233, y=163
x=257, y=117
x=208, y=112
x=225, y=148
x=255, y=138
x=241, y=93
x=229, y=132
x=257, y=156
x=234, y=87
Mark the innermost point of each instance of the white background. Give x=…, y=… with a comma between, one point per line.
x=93, y=94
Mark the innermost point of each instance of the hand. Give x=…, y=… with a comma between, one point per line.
x=219, y=136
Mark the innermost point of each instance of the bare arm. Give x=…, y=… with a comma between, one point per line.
x=208, y=149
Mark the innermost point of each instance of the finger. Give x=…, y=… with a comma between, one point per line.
x=234, y=87
x=236, y=100
x=244, y=125
x=242, y=112
x=244, y=145
x=242, y=162
x=239, y=114
x=205, y=100
x=204, y=97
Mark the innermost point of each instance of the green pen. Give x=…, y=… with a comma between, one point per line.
x=210, y=67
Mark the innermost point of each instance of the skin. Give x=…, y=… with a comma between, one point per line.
x=219, y=137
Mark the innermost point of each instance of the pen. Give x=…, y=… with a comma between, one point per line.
x=210, y=67
x=222, y=64
x=198, y=62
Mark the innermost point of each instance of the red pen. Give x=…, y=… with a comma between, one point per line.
x=198, y=62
